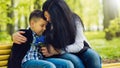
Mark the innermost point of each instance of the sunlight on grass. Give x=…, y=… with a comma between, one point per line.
x=106, y=49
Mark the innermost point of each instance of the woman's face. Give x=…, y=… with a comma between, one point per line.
x=47, y=16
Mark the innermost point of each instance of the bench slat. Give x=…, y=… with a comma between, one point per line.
x=5, y=52
x=3, y=63
x=4, y=57
x=3, y=67
x=2, y=47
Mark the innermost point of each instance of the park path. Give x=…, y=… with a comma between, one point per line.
x=111, y=65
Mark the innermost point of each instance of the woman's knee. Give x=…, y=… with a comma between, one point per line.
x=74, y=59
x=68, y=64
x=92, y=58
x=61, y=63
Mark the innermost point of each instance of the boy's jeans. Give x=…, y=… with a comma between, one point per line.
x=48, y=63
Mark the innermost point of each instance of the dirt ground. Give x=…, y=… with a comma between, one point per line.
x=106, y=61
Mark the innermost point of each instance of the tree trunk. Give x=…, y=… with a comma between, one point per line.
x=26, y=22
x=19, y=23
x=10, y=27
x=0, y=28
x=37, y=4
x=110, y=10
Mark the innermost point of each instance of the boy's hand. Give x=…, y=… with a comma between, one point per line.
x=18, y=38
x=48, y=54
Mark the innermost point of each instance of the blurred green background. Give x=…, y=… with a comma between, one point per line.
x=101, y=20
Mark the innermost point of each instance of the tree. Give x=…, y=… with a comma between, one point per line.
x=10, y=14
x=110, y=10
x=37, y=4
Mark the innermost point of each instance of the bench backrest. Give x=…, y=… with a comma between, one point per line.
x=4, y=55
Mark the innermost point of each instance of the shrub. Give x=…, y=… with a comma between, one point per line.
x=113, y=30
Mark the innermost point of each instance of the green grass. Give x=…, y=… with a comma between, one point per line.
x=106, y=49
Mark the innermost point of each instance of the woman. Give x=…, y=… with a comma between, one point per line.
x=66, y=34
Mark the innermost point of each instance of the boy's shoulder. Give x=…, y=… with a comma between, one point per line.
x=27, y=34
x=27, y=31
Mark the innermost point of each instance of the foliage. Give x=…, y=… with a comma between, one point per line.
x=91, y=11
x=114, y=29
x=5, y=38
x=3, y=10
x=22, y=9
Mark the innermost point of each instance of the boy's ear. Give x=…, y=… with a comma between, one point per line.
x=31, y=23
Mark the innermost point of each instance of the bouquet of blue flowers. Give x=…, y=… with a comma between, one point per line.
x=39, y=41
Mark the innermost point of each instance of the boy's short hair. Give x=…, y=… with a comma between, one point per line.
x=36, y=14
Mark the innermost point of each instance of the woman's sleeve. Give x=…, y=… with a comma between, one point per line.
x=79, y=39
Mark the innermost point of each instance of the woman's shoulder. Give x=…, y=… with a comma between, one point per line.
x=79, y=24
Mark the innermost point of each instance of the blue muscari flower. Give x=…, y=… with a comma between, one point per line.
x=39, y=40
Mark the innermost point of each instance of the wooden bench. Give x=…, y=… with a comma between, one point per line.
x=6, y=49
x=4, y=55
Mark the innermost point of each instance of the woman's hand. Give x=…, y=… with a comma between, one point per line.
x=49, y=53
x=18, y=38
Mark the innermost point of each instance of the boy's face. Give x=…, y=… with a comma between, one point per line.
x=38, y=26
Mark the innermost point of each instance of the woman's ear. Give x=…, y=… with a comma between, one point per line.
x=47, y=15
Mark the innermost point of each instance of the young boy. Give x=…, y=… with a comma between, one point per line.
x=22, y=53
x=27, y=55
